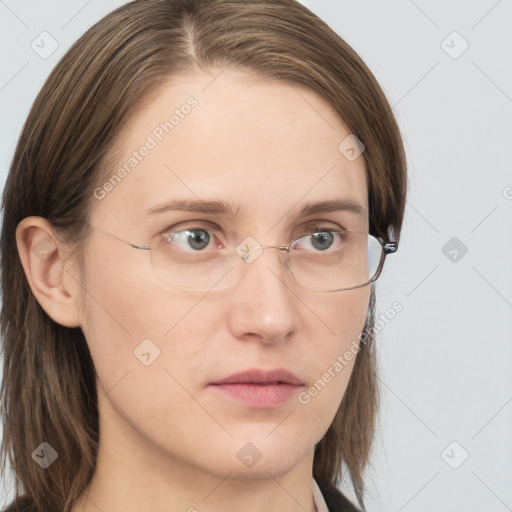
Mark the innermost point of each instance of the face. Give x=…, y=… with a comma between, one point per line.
x=266, y=149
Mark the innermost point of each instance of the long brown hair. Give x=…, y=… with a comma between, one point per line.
x=48, y=388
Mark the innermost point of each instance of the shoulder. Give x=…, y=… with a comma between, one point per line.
x=335, y=500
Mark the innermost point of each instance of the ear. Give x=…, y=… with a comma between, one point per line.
x=44, y=259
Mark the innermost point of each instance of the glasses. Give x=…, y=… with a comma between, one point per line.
x=321, y=260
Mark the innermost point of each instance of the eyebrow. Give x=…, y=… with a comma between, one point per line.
x=218, y=207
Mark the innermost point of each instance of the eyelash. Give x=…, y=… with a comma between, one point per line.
x=209, y=226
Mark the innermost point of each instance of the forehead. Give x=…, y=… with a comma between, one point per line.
x=266, y=147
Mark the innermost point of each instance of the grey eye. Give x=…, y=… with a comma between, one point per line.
x=196, y=239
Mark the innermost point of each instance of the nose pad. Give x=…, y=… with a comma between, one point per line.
x=249, y=249
x=285, y=258
x=284, y=266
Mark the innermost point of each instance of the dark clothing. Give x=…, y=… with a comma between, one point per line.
x=336, y=501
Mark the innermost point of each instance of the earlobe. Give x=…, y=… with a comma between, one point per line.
x=43, y=258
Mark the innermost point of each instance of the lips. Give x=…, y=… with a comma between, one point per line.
x=262, y=377
x=259, y=389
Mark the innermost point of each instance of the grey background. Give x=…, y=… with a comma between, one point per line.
x=445, y=359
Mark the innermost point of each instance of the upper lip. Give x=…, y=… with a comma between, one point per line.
x=257, y=376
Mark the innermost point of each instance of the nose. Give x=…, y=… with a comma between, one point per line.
x=265, y=301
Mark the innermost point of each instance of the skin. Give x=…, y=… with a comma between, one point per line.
x=168, y=440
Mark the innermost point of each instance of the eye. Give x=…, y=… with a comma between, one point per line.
x=192, y=240
x=321, y=239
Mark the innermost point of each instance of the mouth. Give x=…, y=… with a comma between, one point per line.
x=259, y=389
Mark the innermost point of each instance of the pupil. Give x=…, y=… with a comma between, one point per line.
x=197, y=239
x=320, y=238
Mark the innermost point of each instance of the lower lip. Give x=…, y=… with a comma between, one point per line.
x=259, y=396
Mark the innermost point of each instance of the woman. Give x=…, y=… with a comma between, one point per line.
x=198, y=206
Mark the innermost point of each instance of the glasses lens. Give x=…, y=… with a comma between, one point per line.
x=181, y=259
x=325, y=260
x=335, y=260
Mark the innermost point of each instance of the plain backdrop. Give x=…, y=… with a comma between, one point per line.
x=444, y=441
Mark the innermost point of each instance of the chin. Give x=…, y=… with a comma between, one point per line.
x=276, y=466
x=256, y=459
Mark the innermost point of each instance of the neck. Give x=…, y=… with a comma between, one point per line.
x=117, y=490
x=132, y=475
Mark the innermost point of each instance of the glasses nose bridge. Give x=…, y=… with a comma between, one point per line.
x=280, y=247
x=246, y=260
x=283, y=250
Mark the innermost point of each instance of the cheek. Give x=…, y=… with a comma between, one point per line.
x=149, y=343
x=128, y=313
x=338, y=319
x=124, y=294
x=335, y=352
